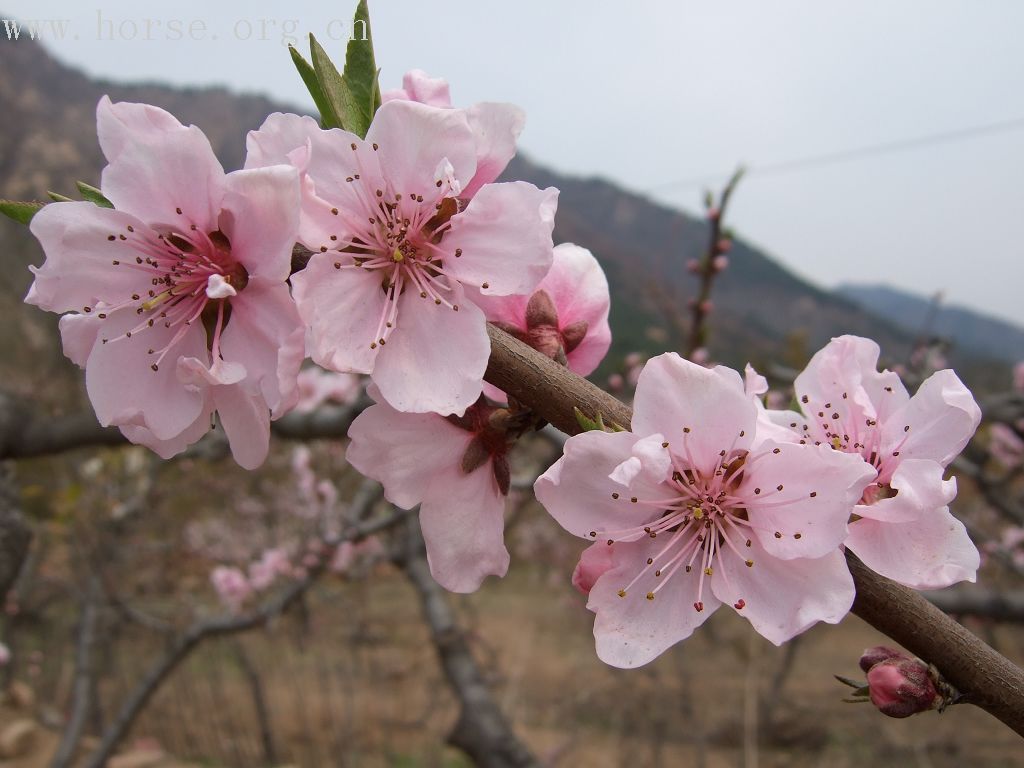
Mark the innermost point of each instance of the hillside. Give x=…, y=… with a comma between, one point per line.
x=964, y=328
x=762, y=310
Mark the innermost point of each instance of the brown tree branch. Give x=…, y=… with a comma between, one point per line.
x=988, y=679
x=181, y=646
x=482, y=731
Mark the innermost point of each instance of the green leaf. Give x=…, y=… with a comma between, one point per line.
x=350, y=99
x=59, y=198
x=22, y=212
x=361, y=76
x=332, y=87
x=93, y=195
x=308, y=75
x=588, y=425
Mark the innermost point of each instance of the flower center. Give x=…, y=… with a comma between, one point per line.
x=191, y=276
x=848, y=429
x=398, y=235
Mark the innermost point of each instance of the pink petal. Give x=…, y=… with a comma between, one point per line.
x=154, y=176
x=849, y=364
x=414, y=139
x=579, y=288
x=931, y=552
x=505, y=238
x=754, y=384
x=260, y=216
x=577, y=489
x=125, y=390
x=417, y=85
x=404, y=451
x=122, y=124
x=782, y=598
x=496, y=127
x=435, y=358
x=165, y=449
x=342, y=308
x=673, y=395
x=920, y=491
x=267, y=336
x=942, y=417
x=463, y=522
x=594, y=562
x=79, y=269
x=819, y=489
x=78, y=336
x=330, y=204
x=246, y=422
x=632, y=630
x=277, y=139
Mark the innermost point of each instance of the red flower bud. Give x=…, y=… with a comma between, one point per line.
x=901, y=687
x=877, y=654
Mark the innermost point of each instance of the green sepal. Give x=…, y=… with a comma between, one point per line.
x=308, y=75
x=93, y=195
x=21, y=211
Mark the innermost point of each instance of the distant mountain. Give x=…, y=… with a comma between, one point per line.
x=966, y=329
x=762, y=311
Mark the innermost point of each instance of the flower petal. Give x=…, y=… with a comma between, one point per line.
x=920, y=491
x=122, y=124
x=155, y=176
x=79, y=268
x=503, y=238
x=260, y=216
x=942, y=417
x=496, y=127
x=246, y=422
x=435, y=358
x=799, y=497
x=404, y=451
x=165, y=449
x=414, y=139
x=931, y=552
x=701, y=412
x=577, y=489
x=266, y=335
x=125, y=390
x=632, y=630
x=342, y=308
x=782, y=598
x=463, y=522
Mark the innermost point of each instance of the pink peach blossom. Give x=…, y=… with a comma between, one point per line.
x=176, y=298
x=272, y=563
x=317, y=386
x=231, y=586
x=456, y=469
x=905, y=530
x=566, y=316
x=698, y=513
x=395, y=244
x=496, y=127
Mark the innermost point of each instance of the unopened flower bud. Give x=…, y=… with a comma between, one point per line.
x=713, y=213
x=5, y=655
x=720, y=263
x=878, y=654
x=902, y=687
x=693, y=266
x=706, y=307
x=723, y=245
x=616, y=382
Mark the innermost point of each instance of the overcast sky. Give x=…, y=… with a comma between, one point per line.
x=656, y=94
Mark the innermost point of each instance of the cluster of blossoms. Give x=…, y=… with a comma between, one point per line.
x=188, y=301
x=713, y=499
